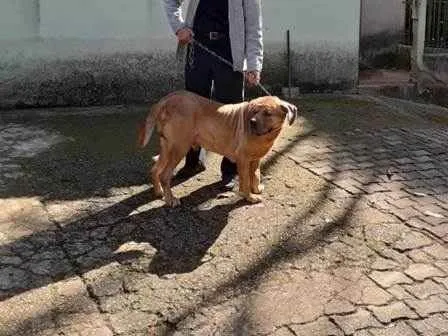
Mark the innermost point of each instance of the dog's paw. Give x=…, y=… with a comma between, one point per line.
x=173, y=202
x=254, y=198
x=258, y=189
x=251, y=198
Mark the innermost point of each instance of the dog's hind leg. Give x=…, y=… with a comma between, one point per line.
x=158, y=168
x=174, y=156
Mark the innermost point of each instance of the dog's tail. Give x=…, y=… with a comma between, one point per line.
x=146, y=128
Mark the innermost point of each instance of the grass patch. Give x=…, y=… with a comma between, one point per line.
x=439, y=119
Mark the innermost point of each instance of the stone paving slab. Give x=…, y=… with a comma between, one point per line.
x=350, y=239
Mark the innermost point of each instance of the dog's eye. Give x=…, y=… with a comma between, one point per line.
x=267, y=113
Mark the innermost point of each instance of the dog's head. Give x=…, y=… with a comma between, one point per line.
x=266, y=115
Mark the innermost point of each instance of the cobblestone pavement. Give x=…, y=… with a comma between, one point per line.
x=350, y=240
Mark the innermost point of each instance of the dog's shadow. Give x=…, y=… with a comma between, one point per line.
x=176, y=239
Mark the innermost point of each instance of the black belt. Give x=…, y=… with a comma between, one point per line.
x=211, y=36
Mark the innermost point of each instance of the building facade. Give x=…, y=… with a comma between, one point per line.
x=91, y=52
x=383, y=28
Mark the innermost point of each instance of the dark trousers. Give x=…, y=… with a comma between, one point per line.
x=211, y=78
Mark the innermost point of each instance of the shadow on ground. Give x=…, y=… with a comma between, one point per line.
x=366, y=144
x=91, y=154
x=180, y=238
x=358, y=137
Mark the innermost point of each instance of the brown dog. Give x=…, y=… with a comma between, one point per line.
x=243, y=132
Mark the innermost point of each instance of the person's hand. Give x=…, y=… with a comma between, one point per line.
x=184, y=35
x=253, y=78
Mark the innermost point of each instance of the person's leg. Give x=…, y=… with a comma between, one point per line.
x=198, y=72
x=228, y=89
x=198, y=80
x=228, y=86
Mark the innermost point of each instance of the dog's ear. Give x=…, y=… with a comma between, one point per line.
x=291, y=111
x=249, y=110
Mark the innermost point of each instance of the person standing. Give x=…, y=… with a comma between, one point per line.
x=233, y=30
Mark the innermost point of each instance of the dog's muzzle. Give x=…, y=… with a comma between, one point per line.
x=253, y=127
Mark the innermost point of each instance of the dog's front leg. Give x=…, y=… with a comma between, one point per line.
x=255, y=176
x=244, y=172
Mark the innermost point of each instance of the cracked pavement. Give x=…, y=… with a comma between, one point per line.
x=350, y=240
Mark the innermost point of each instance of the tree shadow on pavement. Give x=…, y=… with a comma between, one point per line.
x=296, y=242
x=369, y=154
x=180, y=236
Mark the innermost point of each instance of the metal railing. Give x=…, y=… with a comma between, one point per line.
x=436, y=24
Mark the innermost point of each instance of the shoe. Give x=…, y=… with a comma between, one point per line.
x=189, y=171
x=229, y=182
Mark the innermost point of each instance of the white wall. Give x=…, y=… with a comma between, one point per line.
x=378, y=16
x=19, y=19
x=130, y=41
x=77, y=29
x=312, y=21
x=309, y=20
x=84, y=19
x=94, y=19
x=324, y=37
